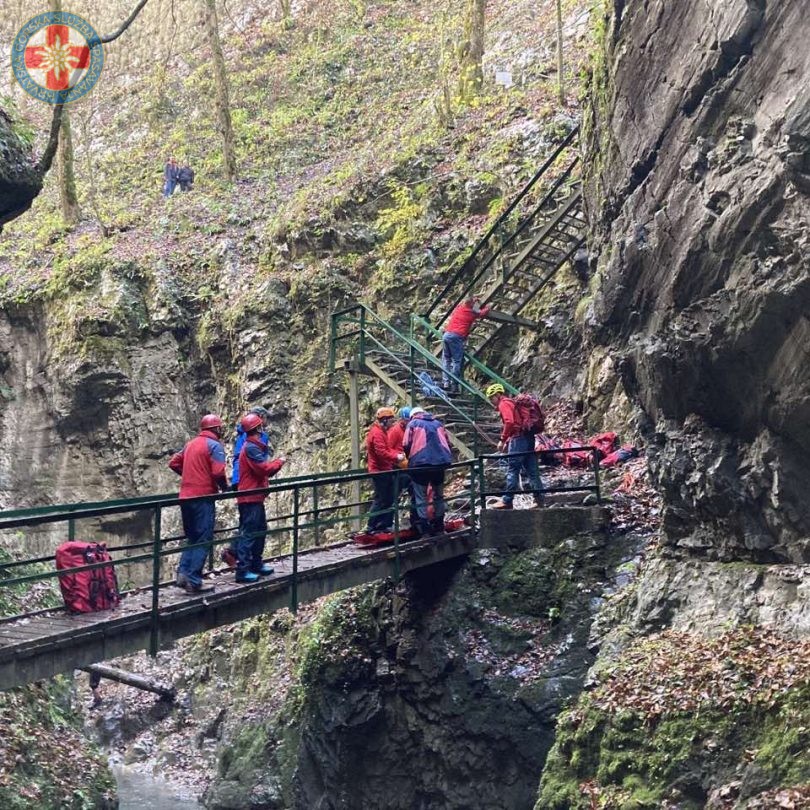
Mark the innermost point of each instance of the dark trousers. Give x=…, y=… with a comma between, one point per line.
x=198, y=527
x=252, y=534
x=383, y=499
x=422, y=478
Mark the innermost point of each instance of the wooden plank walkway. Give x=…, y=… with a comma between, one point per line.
x=54, y=642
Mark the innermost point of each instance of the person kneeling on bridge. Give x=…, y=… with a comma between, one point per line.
x=382, y=458
x=255, y=470
x=428, y=450
x=519, y=444
x=201, y=467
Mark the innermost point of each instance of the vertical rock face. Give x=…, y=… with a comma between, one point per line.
x=19, y=180
x=699, y=188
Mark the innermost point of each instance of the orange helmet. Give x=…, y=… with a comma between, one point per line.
x=386, y=413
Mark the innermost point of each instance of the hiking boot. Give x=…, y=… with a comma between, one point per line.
x=501, y=504
x=228, y=557
x=248, y=576
x=266, y=570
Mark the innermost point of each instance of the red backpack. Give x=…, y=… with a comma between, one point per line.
x=87, y=591
x=529, y=416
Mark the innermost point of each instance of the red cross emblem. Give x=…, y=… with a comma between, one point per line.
x=61, y=60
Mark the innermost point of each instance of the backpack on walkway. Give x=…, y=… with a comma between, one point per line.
x=429, y=386
x=529, y=415
x=87, y=591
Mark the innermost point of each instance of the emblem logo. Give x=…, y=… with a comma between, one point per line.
x=57, y=57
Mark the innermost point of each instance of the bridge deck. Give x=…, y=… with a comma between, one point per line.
x=54, y=642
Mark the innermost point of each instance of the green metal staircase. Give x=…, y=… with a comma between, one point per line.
x=517, y=257
x=365, y=343
x=523, y=250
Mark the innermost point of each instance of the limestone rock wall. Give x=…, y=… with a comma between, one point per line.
x=698, y=183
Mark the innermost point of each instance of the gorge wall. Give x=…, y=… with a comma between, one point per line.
x=698, y=183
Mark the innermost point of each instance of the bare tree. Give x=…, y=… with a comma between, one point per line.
x=560, y=66
x=21, y=197
x=471, y=52
x=223, y=103
x=66, y=177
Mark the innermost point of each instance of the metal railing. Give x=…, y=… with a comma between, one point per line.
x=432, y=334
x=503, y=233
x=304, y=526
x=364, y=332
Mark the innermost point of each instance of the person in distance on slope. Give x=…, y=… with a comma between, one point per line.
x=185, y=177
x=455, y=337
x=519, y=446
x=381, y=458
x=255, y=471
x=201, y=467
x=428, y=450
x=170, y=172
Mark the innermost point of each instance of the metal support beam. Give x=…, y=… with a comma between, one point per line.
x=354, y=419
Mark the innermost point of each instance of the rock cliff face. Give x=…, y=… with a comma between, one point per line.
x=19, y=180
x=698, y=184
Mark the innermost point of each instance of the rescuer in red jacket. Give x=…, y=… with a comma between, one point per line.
x=201, y=467
x=455, y=338
x=519, y=445
x=382, y=459
x=255, y=471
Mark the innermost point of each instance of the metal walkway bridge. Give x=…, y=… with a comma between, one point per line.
x=309, y=544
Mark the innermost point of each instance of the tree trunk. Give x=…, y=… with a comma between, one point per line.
x=560, y=66
x=222, y=94
x=472, y=49
x=65, y=175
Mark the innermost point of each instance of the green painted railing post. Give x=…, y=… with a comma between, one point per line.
x=596, y=475
x=362, y=335
x=294, y=588
x=315, y=517
x=472, y=495
x=397, y=566
x=155, y=629
x=412, y=376
x=332, y=341
x=71, y=529
x=482, y=484
x=475, y=427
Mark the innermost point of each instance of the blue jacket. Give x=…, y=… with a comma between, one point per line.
x=237, y=449
x=426, y=442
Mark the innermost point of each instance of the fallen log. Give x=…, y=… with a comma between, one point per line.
x=131, y=679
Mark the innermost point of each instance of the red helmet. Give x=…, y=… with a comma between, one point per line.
x=209, y=421
x=250, y=422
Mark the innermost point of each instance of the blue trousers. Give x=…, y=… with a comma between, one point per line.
x=452, y=358
x=198, y=526
x=421, y=479
x=252, y=534
x=526, y=463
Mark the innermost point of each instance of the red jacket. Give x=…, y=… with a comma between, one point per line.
x=255, y=468
x=396, y=434
x=506, y=409
x=201, y=466
x=463, y=318
x=381, y=458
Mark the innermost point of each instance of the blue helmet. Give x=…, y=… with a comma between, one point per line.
x=404, y=413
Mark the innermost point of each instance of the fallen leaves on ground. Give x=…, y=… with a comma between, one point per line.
x=680, y=672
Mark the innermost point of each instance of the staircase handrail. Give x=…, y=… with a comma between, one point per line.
x=413, y=345
x=500, y=220
x=418, y=320
x=527, y=220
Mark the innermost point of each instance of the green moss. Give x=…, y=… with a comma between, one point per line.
x=597, y=753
